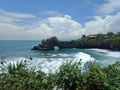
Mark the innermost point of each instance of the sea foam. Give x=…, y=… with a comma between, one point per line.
x=114, y=54
x=54, y=61
x=53, y=64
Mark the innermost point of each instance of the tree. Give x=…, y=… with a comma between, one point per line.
x=110, y=34
x=83, y=37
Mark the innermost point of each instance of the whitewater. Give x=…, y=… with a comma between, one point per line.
x=50, y=61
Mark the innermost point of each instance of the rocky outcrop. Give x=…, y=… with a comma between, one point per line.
x=49, y=44
x=102, y=41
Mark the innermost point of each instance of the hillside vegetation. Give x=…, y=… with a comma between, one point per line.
x=102, y=41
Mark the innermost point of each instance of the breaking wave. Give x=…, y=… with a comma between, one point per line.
x=115, y=54
x=53, y=62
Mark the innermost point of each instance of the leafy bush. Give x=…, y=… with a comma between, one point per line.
x=70, y=76
x=112, y=82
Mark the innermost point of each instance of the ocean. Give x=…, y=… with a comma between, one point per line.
x=15, y=50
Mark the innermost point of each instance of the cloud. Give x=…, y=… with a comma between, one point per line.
x=64, y=27
x=110, y=23
x=15, y=15
x=111, y=6
x=52, y=13
x=12, y=25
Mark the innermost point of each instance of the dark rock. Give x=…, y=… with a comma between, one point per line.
x=50, y=43
x=101, y=41
x=47, y=44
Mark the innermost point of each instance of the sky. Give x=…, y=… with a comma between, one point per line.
x=66, y=19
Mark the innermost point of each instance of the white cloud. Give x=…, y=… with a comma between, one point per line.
x=64, y=27
x=15, y=15
x=52, y=13
x=111, y=6
x=12, y=24
x=67, y=28
x=110, y=23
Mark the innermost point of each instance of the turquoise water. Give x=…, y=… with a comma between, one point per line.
x=13, y=50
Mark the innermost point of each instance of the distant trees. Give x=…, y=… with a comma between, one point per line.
x=115, y=41
x=51, y=42
x=84, y=37
x=54, y=38
x=103, y=41
x=110, y=34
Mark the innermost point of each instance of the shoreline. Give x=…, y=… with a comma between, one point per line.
x=47, y=49
x=109, y=41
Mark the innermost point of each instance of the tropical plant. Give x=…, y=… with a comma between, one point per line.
x=70, y=76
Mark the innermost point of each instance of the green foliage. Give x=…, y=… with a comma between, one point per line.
x=116, y=41
x=104, y=41
x=95, y=77
x=112, y=82
x=70, y=76
x=53, y=39
x=110, y=34
x=15, y=68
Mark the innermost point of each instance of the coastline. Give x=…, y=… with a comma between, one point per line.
x=109, y=41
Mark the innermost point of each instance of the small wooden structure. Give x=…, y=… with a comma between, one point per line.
x=92, y=36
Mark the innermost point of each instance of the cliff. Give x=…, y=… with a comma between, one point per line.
x=103, y=41
x=51, y=43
